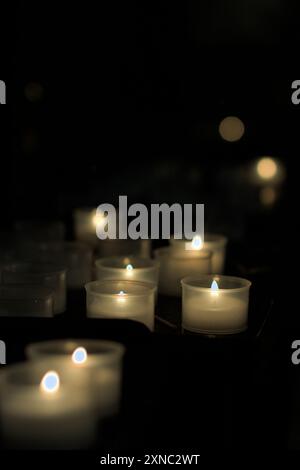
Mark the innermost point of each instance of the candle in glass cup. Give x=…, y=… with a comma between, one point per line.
x=215, y=305
x=121, y=300
x=212, y=242
x=40, y=411
x=94, y=365
x=177, y=264
x=129, y=268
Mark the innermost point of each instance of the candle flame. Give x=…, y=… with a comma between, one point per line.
x=50, y=382
x=214, y=287
x=129, y=267
x=121, y=295
x=197, y=242
x=98, y=219
x=79, y=356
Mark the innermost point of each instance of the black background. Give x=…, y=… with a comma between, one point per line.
x=132, y=98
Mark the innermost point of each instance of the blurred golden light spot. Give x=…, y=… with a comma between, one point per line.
x=34, y=91
x=267, y=168
x=232, y=129
x=268, y=196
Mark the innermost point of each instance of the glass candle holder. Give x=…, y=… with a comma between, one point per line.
x=39, y=230
x=212, y=242
x=175, y=265
x=94, y=365
x=26, y=301
x=47, y=275
x=39, y=410
x=215, y=305
x=128, y=268
x=121, y=299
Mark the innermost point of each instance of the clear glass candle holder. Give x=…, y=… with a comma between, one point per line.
x=39, y=230
x=175, y=265
x=47, y=275
x=212, y=242
x=121, y=299
x=215, y=305
x=94, y=365
x=128, y=268
x=26, y=301
x=38, y=411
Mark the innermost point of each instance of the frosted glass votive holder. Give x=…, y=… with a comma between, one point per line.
x=121, y=300
x=94, y=365
x=215, y=305
x=175, y=265
x=33, y=417
x=129, y=268
x=212, y=242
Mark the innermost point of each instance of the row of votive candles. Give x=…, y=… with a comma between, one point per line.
x=52, y=264
x=62, y=395
x=127, y=285
x=213, y=305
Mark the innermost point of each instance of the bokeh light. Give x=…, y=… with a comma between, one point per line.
x=231, y=129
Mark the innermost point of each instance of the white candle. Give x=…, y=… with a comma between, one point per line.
x=122, y=300
x=38, y=411
x=177, y=264
x=212, y=242
x=96, y=366
x=215, y=305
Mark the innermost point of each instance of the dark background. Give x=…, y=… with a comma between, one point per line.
x=128, y=101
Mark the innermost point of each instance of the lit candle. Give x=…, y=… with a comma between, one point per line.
x=39, y=411
x=212, y=242
x=95, y=366
x=128, y=269
x=86, y=221
x=177, y=264
x=121, y=299
x=215, y=305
